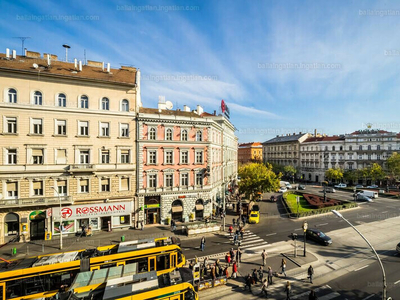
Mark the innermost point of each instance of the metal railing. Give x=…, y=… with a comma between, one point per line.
x=35, y=201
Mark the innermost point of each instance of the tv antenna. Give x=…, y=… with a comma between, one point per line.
x=22, y=38
x=66, y=51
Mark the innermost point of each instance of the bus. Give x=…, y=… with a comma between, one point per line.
x=124, y=283
x=42, y=276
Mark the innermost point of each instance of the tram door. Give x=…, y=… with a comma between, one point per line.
x=152, y=263
x=173, y=260
x=3, y=291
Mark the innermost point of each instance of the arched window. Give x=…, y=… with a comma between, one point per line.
x=84, y=101
x=62, y=100
x=37, y=98
x=341, y=148
x=360, y=147
x=326, y=148
x=199, y=136
x=184, y=135
x=152, y=134
x=168, y=134
x=12, y=96
x=105, y=103
x=369, y=147
x=125, y=105
x=333, y=148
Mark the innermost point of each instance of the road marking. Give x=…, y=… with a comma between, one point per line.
x=297, y=229
x=397, y=282
x=270, y=234
x=361, y=268
x=323, y=224
x=370, y=296
x=186, y=249
x=328, y=286
x=330, y=296
x=384, y=212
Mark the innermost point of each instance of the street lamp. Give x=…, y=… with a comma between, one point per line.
x=60, y=227
x=305, y=226
x=369, y=244
x=355, y=195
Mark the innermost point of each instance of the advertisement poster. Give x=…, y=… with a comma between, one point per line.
x=69, y=226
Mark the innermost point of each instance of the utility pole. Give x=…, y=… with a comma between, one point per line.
x=305, y=226
x=22, y=38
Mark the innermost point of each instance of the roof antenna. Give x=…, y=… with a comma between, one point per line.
x=22, y=38
x=66, y=51
x=84, y=56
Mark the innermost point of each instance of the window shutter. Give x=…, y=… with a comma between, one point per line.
x=84, y=182
x=12, y=186
x=37, y=152
x=104, y=181
x=37, y=185
x=61, y=183
x=124, y=184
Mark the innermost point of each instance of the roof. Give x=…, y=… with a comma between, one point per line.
x=324, y=139
x=58, y=68
x=250, y=145
x=370, y=131
x=285, y=138
x=145, y=110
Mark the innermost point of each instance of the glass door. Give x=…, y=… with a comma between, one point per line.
x=152, y=263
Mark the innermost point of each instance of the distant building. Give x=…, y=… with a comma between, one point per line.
x=250, y=152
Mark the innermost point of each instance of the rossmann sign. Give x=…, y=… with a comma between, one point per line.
x=93, y=210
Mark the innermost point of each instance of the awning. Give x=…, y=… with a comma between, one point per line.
x=199, y=206
x=176, y=209
x=11, y=217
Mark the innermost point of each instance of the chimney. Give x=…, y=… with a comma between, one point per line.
x=315, y=132
x=48, y=60
x=108, y=67
x=215, y=112
x=199, y=110
x=7, y=53
x=25, y=50
x=300, y=132
x=186, y=108
x=80, y=66
x=14, y=54
x=75, y=63
x=102, y=66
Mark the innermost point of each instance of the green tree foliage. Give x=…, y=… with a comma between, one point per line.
x=393, y=164
x=276, y=168
x=350, y=175
x=289, y=170
x=336, y=174
x=257, y=177
x=376, y=172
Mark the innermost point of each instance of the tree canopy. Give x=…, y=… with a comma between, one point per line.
x=393, y=164
x=289, y=170
x=336, y=174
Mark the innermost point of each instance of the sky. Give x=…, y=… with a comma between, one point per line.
x=280, y=66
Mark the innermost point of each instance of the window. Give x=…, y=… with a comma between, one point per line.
x=152, y=180
x=124, y=130
x=61, y=127
x=37, y=126
x=199, y=157
x=326, y=148
x=333, y=148
x=185, y=179
x=184, y=157
x=104, y=129
x=360, y=157
x=378, y=157
x=169, y=180
x=84, y=185
x=12, y=190
x=83, y=128
x=351, y=148
x=369, y=147
x=124, y=184
x=168, y=134
x=105, y=184
x=125, y=157
x=378, y=147
x=351, y=167
x=37, y=188
x=37, y=156
x=199, y=136
x=61, y=156
x=169, y=157
x=390, y=147
x=105, y=104
x=152, y=157
x=369, y=156
x=62, y=187
x=105, y=156
x=84, y=101
x=125, y=105
x=152, y=134
x=184, y=135
x=37, y=98
x=12, y=96
x=11, y=125
x=11, y=156
x=62, y=100
x=84, y=157
x=199, y=179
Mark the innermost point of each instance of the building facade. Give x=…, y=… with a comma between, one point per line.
x=250, y=152
x=67, y=138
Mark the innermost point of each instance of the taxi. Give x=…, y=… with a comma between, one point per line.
x=254, y=217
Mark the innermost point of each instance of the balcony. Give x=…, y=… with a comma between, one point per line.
x=35, y=201
x=82, y=168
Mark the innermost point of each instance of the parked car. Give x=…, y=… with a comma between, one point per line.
x=398, y=248
x=255, y=207
x=288, y=186
x=273, y=198
x=359, y=186
x=282, y=190
x=364, y=198
x=330, y=189
x=302, y=187
x=341, y=185
x=318, y=236
x=254, y=217
x=372, y=187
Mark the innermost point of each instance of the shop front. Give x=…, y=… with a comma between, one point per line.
x=11, y=226
x=102, y=216
x=37, y=226
x=177, y=211
x=199, y=209
x=152, y=209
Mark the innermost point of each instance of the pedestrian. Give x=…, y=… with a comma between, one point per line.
x=142, y=225
x=264, y=255
x=235, y=238
x=191, y=265
x=238, y=221
x=226, y=272
x=213, y=275
x=234, y=222
x=228, y=259
x=202, y=272
x=270, y=274
x=313, y=295
x=230, y=230
x=260, y=274
x=239, y=255
x=232, y=254
x=264, y=288
x=288, y=290
x=234, y=270
x=283, y=267
x=310, y=273
x=202, y=243
x=241, y=233
x=172, y=224
x=255, y=276
x=248, y=282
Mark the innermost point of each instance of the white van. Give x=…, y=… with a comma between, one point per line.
x=370, y=194
x=285, y=184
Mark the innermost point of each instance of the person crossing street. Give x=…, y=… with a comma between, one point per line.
x=264, y=257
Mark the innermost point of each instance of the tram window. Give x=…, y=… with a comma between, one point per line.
x=14, y=289
x=142, y=265
x=162, y=262
x=179, y=257
x=152, y=264
x=34, y=285
x=108, y=265
x=1, y=292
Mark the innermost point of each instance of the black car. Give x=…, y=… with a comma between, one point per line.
x=255, y=208
x=318, y=236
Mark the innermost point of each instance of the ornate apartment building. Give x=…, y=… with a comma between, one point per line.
x=67, y=135
x=250, y=152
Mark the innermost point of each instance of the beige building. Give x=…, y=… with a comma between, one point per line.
x=67, y=134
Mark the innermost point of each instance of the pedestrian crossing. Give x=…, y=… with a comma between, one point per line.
x=324, y=293
x=250, y=241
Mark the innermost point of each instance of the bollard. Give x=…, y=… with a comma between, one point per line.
x=123, y=238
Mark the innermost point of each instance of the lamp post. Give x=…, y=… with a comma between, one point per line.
x=305, y=226
x=369, y=244
x=60, y=227
x=355, y=195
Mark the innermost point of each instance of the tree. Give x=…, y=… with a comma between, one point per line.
x=289, y=170
x=257, y=177
x=334, y=174
x=350, y=175
x=276, y=167
x=376, y=172
x=393, y=164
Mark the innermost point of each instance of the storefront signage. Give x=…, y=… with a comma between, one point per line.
x=79, y=211
x=180, y=197
x=152, y=206
x=225, y=109
x=37, y=215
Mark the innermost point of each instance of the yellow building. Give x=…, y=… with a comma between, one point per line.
x=250, y=152
x=67, y=135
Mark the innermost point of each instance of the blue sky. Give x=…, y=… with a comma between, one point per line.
x=281, y=66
